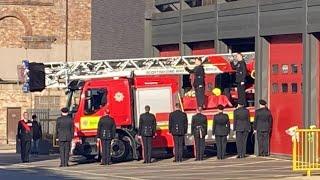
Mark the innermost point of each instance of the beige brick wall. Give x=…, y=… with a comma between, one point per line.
x=36, y=30
x=11, y=95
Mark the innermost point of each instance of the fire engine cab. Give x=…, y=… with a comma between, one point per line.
x=125, y=86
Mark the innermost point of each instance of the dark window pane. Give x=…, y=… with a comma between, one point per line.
x=294, y=68
x=275, y=88
x=275, y=68
x=294, y=87
x=284, y=87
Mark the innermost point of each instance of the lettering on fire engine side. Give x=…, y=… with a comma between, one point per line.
x=89, y=122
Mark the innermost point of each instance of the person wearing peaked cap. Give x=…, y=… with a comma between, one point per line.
x=242, y=127
x=262, y=102
x=147, y=130
x=178, y=127
x=262, y=127
x=199, y=130
x=64, y=134
x=221, y=129
x=199, y=81
x=105, y=134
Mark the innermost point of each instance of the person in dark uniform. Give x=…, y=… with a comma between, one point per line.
x=241, y=72
x=199, y=131
x=178, y=126
x=64, y=134
x=242, y=128
x=199, y=82
x=262, y=127
x=147, y=130
x=25, y=137
x=221, y=129
x=37, y=135
x=105, y=133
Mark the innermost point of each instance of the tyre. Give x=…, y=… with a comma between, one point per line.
x=121, y=149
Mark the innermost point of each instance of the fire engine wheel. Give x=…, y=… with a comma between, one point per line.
x=121, y=150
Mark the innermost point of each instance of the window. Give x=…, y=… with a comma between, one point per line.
x=44, y=102
x=275, y=88
x=284, y=87
x=294, y=88
x=275, y=69
x=294, y=68
x=96, y=99
x=285, y=69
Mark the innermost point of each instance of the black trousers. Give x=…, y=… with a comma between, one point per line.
x=147, y=148
x=241, y=141
x=199, y=147
x=221, y=142
x=106, y=151
x=199, y=91
x=263, y=142
x=25, y=150
x=242, y=94
x=178, y=147
x=64, y=148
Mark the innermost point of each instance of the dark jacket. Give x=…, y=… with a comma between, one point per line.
x=24, y=130
x=178, y=123
x=241, y=119
x=198, y=72
x=221, y=125
x=262, y=120
x=199, y=123
x=147, y=124
x=64, y=128
x=106, y=128
x=241, y=70
x=36, y=130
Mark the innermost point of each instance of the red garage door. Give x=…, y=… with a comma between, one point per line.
x=286, y=54
x=169, y=50
x=202, y=48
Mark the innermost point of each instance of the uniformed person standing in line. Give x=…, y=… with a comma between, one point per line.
x=199, y=126
x=64, y=134
x=241, y=72
x=105, y=134
x=178, y=126
x=25, y=137
x=221, y=129
x=199, y=82
x=147, y=130
x=242, y=128
x=262, y=127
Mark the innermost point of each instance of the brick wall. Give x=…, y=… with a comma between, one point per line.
x=36, y=30
x=11, y=96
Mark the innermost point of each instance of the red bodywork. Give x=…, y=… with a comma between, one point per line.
x=122, y=110
x=285, y=101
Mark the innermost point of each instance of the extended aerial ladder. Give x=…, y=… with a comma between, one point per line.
x=59, y=74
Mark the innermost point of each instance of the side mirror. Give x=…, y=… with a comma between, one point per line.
x=74, y=108
x=88, y=102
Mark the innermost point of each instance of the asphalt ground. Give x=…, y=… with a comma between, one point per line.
x=46, y=167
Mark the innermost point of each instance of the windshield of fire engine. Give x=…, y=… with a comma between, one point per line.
x=96, y=100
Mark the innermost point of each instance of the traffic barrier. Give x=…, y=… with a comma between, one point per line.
x=306, y=151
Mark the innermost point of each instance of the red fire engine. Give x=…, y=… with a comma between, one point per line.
x=125, y=86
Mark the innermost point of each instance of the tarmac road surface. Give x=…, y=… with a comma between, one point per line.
x=46, y=167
